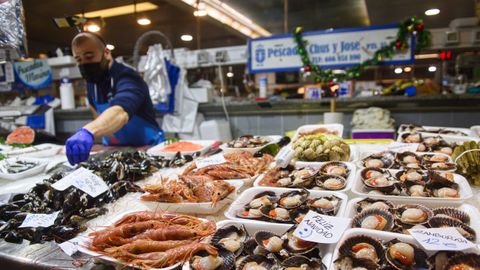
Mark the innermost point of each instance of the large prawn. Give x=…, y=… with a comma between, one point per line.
x=144, y=246
x=147, y=215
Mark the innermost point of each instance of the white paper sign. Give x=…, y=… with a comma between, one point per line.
x=212, y=160
x=39, y=220
x=69, y=247
x=441, y=239
x=402, y=147
x=4, y=198
x=84, y=180
x=321, y=228
x=284, y=157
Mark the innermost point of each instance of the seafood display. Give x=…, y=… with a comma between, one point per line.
x=411, y=182
x=249, y=141
x=330, y=176
x=467, y=157
x=384, y=216
x=321, y=147
x=154, y=239
x=428, y=143
x=13, y=166
x=317, y=131
x=182, y=146
x=408, y=160
x=195, y=189
x=261, y=251
x=287, y=207
x=239, y=165
x=75, y=206
x=437, y=130
x=363, y=251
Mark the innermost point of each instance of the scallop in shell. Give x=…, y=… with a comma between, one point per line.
x=442, y=166
x=256, y=262
x=374, y=219
x=362, y=247
x=413, y=214
x=299, y=213
x=231, y=238
x=441, y=179
x=224, y=261
x=350, y=263
x=295, y=245
x=417, y=189
x=278, y=214
x=438, y=260
x=433, y=158
x=335, y=168
x=331, y=182
x=408, y=158
x=382, y=183
x=252, y=213
x=303, y=178
x=325, y=205
x=302, y=262
x=412, y=137
x=465, y=230
x=269, y=241
x=369, y=203
x=468, y=261
x=452, y=212
x=264, y=198
x=414, y=176
x=293, y=199
x=405, y=256
x=379, y=160
x=446, y=192
x=368, y=173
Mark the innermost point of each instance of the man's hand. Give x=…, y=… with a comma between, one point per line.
x=79, y=145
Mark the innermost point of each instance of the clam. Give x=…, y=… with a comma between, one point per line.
x=331, y=182
x=405, y=255
x=379, y=160
x=368, y=203
x=325, y=205
x=452, y=212
x=262, y=199
x=231, y=238
x=335, y=168
x=374, y=219
x=278, y=214
x=293, y=199
x=413, y=214
x=256, y=262
x=203, y=261
x=302, y=262
x=295, y=245
x=465, y=230
x=446, y=192
x=468, y=261
x=269, y=241
x=368, y=173
x=362, y=247
x=412, y=137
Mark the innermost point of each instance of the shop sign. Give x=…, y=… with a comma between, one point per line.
x=34, y=74
x=329, y=49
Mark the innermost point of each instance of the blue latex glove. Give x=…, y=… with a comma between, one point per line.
x=79, y=145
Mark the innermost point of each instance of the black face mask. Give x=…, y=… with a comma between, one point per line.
x=94, y=72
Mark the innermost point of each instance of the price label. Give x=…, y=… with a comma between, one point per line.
x=39, y=220
x=284, y=157
x=84, y=180
x=402, y=147
x=321, y=228
x=69, y=247
x=4, y=198
x=435, y=239
x=212, y=160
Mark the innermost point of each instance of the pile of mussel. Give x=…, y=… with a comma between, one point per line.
x=131, y=166
x=261, y=251
x=331, y=176
x=366, y=252
x=75, y=206
x=288, y=207
x=427, y=143
x=384, y=216
x=410, y=182
x=408, y=160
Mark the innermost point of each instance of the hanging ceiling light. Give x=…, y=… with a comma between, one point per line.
x=230, y=72
x=200, y=10
x=92, y=27
x=398, y=70
x=407, y=69
x=432, y=68
x=186, y=37
x=142, y=20
x=432, y=12
x=110, y=47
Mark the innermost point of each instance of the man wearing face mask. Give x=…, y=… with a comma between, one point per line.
x=119, y=100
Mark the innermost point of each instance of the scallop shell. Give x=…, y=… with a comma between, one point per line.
x=412, y=137
x=438, y=181
x=452, y=212
x=368, y=173
x=387, y=188
x=295, y=245
x=259, y=259
x=347, y=262
x=441, y=166
x=346, y=247
x=335, y=168
x=359, y=219
x=295, y=214
x=225, y=232
x=384, y=160
x=270, y=195
x=408, y=157
x=335, y=204
x=470, y=259
x=303, y=181
x=297, y=261
x=434, y=158
x=331, y=182
x=400, y=210
x=241, y=214
x=465, y=230
x=227, y=256
x=369, y=203
x=284, y=202
x=438, y=260
x=413, y=176
x=409, y=185
x=260, y=236
x=419, y=257
x=266, y=211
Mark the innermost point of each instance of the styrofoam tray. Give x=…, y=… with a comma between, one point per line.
x=473, y=212
x=463, y=188
x=379, y=235
x=365, y=154
x=196, y=208
x=84, y=241
x=253, y=227
x=30, y=172
x=157, y=149
x=467, y=131
x=44, y=150
x=273, y=139
x=331, y=127
x=317, y=165
x=447, y=138
x=246, y=196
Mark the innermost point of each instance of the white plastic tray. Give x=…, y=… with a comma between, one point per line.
x=246, y=196
x=331, y=127
x=157, y=149
x=44, y=150
x=364, y=154
x=196, y=208
x=317, y=165
x=447, y=138
x=30, y=172
x=273, y=139
x=253, y=227
x=379, y=235
x=463, y=188
x=350, y=211
x=467, y=131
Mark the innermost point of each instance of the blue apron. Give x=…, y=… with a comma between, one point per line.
x=137, y=131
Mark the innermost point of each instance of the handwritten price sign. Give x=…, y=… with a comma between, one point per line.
x=84, y=180
x=321, y=228
x=39, y=220
x=441, y=239
x=213, y=160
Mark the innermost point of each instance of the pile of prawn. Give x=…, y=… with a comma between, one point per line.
x=154, y=239
x=195, y=189
x=239, y=165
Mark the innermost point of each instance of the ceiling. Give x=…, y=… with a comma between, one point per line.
x=175, y=18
